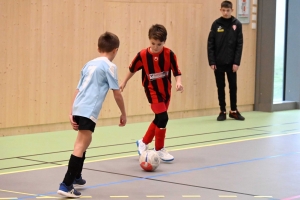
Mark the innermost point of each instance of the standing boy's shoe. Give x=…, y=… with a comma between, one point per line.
x=141, y=146
x=164, y=155
x=236, y=115
x=79, y=182
x=222, y=116
x=68, y=191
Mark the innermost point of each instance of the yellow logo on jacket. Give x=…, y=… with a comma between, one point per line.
x=220, y=29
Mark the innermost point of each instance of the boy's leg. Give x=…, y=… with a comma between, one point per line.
x=149, y=135
x=160, y=135
x=84, y=137
x=80, y=169
x=220, y=82
x=79, y=181
x=232, y=80
x=73, y=167
x=66, y=187
x=82, y=142
x=161, y=120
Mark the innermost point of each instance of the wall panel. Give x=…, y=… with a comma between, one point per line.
x=45, y=43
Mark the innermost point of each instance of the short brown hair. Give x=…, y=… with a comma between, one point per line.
x=108, y=42
x=226, y=4
x=158, y=32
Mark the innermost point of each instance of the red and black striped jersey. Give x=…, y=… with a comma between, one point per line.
x=156, y=73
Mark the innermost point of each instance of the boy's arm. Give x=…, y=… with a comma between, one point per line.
x=176, y=72
x=179, y=86
x=211, y=47
x=74, y=124
x=134, y=66
x=128, y=76
x=174, y=64
x=239, y=45
x=120, y=102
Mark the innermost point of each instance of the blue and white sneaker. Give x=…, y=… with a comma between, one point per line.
x=141, y=146
x=68, y=191
x=164, y=155
x=79, y=182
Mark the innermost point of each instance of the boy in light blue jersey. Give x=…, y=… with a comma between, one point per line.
x=97, y=77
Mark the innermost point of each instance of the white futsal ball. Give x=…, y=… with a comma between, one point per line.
x=149, y=160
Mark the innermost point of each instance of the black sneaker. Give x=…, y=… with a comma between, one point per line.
x=79, y=182
x=222, y=116
x=236, y=115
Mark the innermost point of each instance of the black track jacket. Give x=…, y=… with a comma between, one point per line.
x=225, y=44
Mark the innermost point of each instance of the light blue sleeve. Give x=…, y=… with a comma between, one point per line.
x=81, y=79
x=112, y=77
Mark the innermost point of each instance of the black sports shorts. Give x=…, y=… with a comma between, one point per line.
x=84, y=123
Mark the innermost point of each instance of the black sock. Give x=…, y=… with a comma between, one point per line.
x=81, y=166
x=73, y=167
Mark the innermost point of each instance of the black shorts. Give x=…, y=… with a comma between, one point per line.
x=84, y=123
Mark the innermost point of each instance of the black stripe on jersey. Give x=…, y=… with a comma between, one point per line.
x=173, y=63
x=146, y=83
x=152, y=71
x=161, y=63
x=137, y=59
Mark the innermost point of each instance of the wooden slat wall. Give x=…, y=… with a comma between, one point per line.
x=45, y=43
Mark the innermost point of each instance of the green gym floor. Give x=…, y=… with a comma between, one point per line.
x=258, y=158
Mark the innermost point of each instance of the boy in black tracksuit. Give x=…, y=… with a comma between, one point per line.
x=224, y=49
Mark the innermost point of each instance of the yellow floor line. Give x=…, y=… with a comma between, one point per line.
x=185, y=148
x=227, y=196
x=8, y=198
x=155, y=196
x=9, y=191
x=50, y=197
x=191, y=196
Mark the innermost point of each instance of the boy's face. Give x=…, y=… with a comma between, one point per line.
x=156, y=46
x=226, y=12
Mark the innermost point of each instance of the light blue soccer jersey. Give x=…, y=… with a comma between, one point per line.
x=97, y=77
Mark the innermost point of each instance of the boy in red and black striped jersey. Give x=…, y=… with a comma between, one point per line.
x=156, y=62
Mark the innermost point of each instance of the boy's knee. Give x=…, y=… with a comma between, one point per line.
x=161, y=120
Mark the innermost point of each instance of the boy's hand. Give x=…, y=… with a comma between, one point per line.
x=123, y=120
x=122, y=86
x=73, y=124
x=213, y=67
x=235, y=68
x=179, y=87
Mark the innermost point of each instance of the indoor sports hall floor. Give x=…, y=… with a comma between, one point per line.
x=258, y=158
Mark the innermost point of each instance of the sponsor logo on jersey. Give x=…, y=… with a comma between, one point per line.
x=155, y=76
